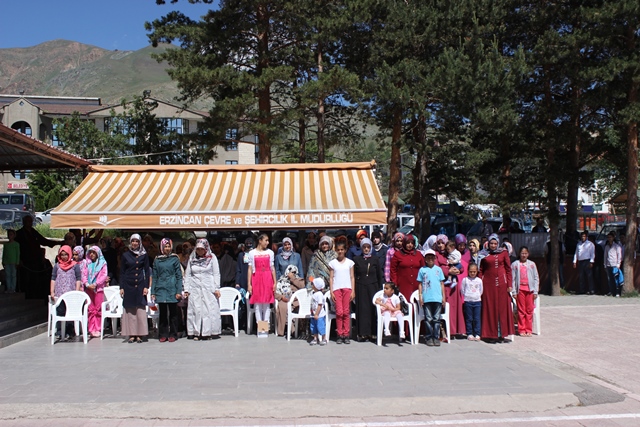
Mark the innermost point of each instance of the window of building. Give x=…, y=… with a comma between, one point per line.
x=179, y=126
x=230, y=162
x=117, y=126
x=231, y=135
x=22, y=127
x=55, y=141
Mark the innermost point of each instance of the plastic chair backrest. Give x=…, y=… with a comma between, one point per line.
x=75, y=301
x=304, y=299
x=229, y=298
x=110, y=292
x=375, y=297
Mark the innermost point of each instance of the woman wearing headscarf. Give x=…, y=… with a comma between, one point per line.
x=474, y=252
x=379, y=248
x=78, y=256
x=430, y=243
x=368, y=276
x=497, y=311
x=405, y=265
x=396, y=245
x=95, y=275
x=356, y=249
x=66, y=276
x=288, y=256
x=135, y=280
x=287, y=285
x=319, y=265
x=166, y=290
x=201, y=285
x=453, y=294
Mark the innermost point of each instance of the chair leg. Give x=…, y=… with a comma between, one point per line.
x=289, y=321
x=84, y=331
x=235, y=324
x=411, y=336
x=379, y=330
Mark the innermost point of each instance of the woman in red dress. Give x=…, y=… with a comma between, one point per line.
x=262, y=279
x=497, y=310
x=454, y=297
x=405, y=265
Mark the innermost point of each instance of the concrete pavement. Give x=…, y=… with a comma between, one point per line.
x=582, y=365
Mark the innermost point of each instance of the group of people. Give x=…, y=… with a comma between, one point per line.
x=476, y=280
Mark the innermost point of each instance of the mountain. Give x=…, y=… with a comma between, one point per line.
x=68, y=68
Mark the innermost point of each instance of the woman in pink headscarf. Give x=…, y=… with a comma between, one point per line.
x=453, y=294
x=395, y=245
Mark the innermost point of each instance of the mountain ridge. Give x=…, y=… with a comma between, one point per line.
x=69, y=68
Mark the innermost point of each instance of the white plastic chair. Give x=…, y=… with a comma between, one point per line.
x=50, y=305
x=111, y=308
x=251, y=313
x=77, y=303
x=330, y=313
x=304, y=310
x=408, y=318
x=536, y=316
x=229, y=305
x=419, y=317
x=154, y=315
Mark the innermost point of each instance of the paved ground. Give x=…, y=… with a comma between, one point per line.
x=582, y=370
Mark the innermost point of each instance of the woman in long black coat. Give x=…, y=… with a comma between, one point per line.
x=369, y=280
x=135, y=280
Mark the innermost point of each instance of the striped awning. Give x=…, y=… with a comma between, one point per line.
x=291, y=196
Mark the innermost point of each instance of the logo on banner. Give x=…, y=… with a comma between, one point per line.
x=104, y=220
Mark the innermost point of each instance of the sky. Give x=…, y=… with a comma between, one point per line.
x=109, y=24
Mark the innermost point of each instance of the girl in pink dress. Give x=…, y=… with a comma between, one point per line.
x=94, y=279
x=262, y=279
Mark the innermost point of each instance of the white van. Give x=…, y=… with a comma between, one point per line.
x=21, y=202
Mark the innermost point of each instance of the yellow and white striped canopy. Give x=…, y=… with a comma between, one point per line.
x=292, y=196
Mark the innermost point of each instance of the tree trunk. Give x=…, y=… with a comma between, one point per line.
x=302, y=137
x=420, y=197
x=264, y=93
x=394, y=174
x=632, y=177
x=632, y=196
x=552, y=194
x=573, y=182
x=320, y=112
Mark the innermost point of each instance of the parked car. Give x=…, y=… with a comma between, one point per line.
x=21, y=202
x=44, y=217
x=11, y=219
x=620, y=228
x=496, y=223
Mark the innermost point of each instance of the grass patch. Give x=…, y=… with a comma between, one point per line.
x=633, y=294
x=52, y=233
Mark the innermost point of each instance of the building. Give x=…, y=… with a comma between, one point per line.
x=34, y=115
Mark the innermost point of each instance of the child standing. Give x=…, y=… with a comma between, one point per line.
x=10, y=260
x=390, y=307
x=318, y=313
x=525, y=286
x=453, y=259
x=432, y=296
x=342, y=284
x=472, y=292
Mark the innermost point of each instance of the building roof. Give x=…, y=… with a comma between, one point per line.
x=21, y=152
x=326, y=195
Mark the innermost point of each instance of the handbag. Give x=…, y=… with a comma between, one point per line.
x=404, y=307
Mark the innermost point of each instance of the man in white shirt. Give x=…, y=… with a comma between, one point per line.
x=583, y=260
x=612, y=259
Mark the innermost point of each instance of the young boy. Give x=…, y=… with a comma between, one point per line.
x=318, y=324
x=453, y=259
x=10, y=260
x=432, y=296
